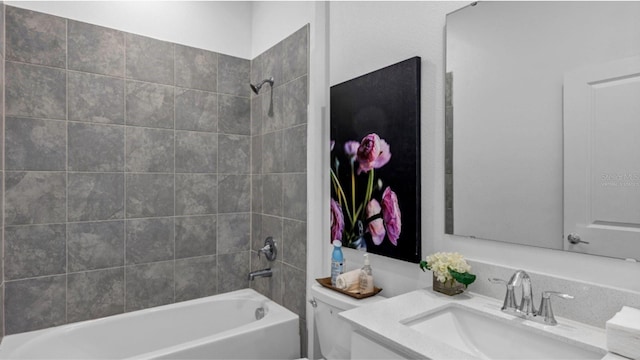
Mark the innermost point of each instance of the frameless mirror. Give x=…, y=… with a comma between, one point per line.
x=542, y=121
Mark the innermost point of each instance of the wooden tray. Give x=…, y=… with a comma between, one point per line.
x=326, y=282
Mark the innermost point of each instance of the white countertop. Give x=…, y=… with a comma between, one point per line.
x=383, y=322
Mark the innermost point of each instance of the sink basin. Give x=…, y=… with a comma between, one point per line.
x=490, y=337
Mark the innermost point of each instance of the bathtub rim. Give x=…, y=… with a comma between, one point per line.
x=279, y=314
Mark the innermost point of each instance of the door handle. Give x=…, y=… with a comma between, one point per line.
x=575, y=239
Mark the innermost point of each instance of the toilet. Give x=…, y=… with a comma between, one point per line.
x=334, y=333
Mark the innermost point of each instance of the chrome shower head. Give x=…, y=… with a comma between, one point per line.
x=256, y=88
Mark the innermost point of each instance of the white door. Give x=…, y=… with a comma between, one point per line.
x=602, y=159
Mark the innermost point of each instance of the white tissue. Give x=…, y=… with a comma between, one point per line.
x=348, y=281
x=623, y=333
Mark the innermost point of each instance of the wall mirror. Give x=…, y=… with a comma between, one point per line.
x=542, y=125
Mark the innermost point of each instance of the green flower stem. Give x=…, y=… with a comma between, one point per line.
x=353, y=191
x=369, y=192
x=341, y=195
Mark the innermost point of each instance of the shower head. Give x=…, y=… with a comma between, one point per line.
x=256, y=88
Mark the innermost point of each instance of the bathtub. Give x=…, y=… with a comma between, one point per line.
x=237, y=325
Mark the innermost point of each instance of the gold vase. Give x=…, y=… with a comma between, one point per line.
x=449, y=287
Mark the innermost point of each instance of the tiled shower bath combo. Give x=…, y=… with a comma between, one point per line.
x=138, y=172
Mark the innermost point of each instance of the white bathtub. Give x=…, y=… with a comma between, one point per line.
x=216, y=327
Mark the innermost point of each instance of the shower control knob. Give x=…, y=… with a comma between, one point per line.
x=575, y=239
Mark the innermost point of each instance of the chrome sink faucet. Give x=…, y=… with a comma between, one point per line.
x=526, y=308
x=510, y=305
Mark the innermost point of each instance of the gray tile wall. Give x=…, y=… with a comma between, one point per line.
x=278, y=171
x=2, y=42
x=127, y=172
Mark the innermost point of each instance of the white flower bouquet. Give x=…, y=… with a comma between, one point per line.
x=447, y=267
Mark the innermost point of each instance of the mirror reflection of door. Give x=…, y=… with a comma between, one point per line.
x=602, y=159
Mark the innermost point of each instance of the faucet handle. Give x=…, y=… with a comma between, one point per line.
x=510, y=303
x=545, y=306
x=269, y=250
x=497, y=281
x=547, y=294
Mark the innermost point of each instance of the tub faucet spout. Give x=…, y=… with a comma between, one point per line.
x=260, y=273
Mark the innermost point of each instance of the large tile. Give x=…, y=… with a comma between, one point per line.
x=294, y=239
x=35, y=198
x=295, y=55
x=149, y=150
x=234, y=154
x=294, y=198
x=257, y=191
x=272, y=152
x=35, y=38
x=95, y=49
x=233, y=75
x=149, y=285
x=196, y=236
x=95, y=294
x=196, y=152
x=294, y=103
x=257, y=241
x=196, y=194
x=196, y=110
x=272, y=109
x=2, y=333
x=234, y=115
x=256, y=70
x=233, y=270
x=234, y=232
x=33, y=144
x=96, y=98
x=294, y=297
x=149, y=59
x=272, y=194
x=35, y=91
x=95, y=245
x=95, y=147
x=34, y=304
x=256, y=115
x=149, y=195
x=256, y=154
x=234, y=193
x=149, y=105
x=3, y=54
x=95, y=196
x=36, y=250
x=196, y=278
x=149, y=240
x=196, y=68
x=295, y=149
x=272, y=61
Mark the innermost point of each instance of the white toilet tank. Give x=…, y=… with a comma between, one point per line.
x=334, y=334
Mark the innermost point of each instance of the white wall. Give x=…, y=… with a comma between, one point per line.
x=220, y=26
x=273, y=21
x=365, y=36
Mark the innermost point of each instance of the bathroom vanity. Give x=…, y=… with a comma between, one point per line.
x=424, y=324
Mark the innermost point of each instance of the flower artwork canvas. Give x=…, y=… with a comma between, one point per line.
x=375, y=161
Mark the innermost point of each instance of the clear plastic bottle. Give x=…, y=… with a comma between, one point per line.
x=337, y=261
x=366, y=277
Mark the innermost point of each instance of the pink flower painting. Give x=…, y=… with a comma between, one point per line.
x=375, y=227
x=377, y=195
x=337, y=221
x=391, y=215
x=373, y=153
x=357, y=213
